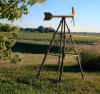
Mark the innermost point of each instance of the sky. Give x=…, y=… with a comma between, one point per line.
x=87, y=17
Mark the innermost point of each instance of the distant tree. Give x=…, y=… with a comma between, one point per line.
x=47, y=30
x=41, y=29
x=51, y=29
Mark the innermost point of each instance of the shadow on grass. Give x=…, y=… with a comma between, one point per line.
x=65, y=69
x=73, y=68
x=54, y=68
x=33, y=48
x=42, y=49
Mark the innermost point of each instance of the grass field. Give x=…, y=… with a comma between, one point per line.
x=78, y=38
x=21, y=78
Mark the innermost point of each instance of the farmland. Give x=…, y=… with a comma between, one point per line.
x=78, y=38
x=21, y=78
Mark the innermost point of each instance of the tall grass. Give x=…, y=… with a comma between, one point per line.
x=91, y=59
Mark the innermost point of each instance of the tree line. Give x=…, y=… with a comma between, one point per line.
x=40, y=29
x=10, y=28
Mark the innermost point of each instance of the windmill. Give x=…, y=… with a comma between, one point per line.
x=63, y=41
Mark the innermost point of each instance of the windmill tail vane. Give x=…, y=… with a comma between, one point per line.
x=48, y=16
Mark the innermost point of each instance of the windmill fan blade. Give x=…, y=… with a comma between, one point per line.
x=48, y=16
x=73, y=15
x=73, y=21
x=73, y=11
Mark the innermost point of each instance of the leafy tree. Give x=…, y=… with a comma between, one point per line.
x=12, y=10
x=47, y=30
x=15, y=31
x=1, y=26
x=6, y=28
x=50, y=29
x=41, y=29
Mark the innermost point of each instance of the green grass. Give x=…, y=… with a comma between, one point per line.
x=86, y=39
x=78, y=38
x=31, y=36
x=21, y=78
x=91, y=59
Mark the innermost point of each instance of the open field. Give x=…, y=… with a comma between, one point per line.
x=88, y=39
x=21, y=78
x=36, y=58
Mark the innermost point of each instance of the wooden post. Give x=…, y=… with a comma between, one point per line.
x=48, y=50
x=60, y=48
x=77, y=57
x=63, y=51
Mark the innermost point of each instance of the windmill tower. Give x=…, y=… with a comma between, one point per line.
x=63, y=40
